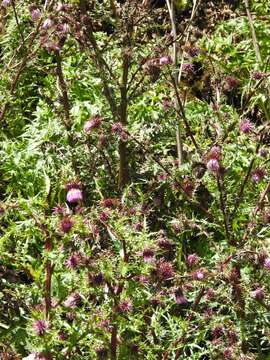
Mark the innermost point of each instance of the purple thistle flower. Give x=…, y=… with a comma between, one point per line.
x=73, y=261
x=166, y=103
x=217, y=332
x=35, y=12
x=214, y=153
x=104, y=216
x=231, y=83
x=188, y=69
x=232, y=337
x=192, y=259
x=117, y=128
x=5, y=3
x=165, y=60
x=180, y=298
x=66, y=224
x=193, y=51
x=94, y=123
x=40, y=327
x=199, y=275
x=165, y=270
x=245, y=126
x=258, y=174
x=266, y=263
x=74, y=194
x=227, y=353
x=47, y=24
x=213, y=166
x=125, y=306
x=73, y=300
x=148, y=255
x=258, y=294
x=257, y=75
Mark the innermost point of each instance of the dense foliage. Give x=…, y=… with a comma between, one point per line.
x=134, y=188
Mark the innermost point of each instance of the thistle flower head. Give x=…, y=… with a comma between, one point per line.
x=258, y=174
x=74, y=193
x=258, y=294
x=231, y=83
x=192, y=259
x=188, y=69
x=267, y=263
x=104, y=216
x=73, y=261
x=93, y=123
x=213, y=166
x=66, y=224
x=148, y=255
x=245, y=126
x=227, y=353
x=165, y=270
x=199, y=275
x=35, y=12
x=73, y=300
x=40, y=327
x=5, y=3
x=125, y=305
x=257, y=75
x=47, y=24
x=165, y=60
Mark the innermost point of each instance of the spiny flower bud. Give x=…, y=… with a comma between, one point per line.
x=165, y=270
